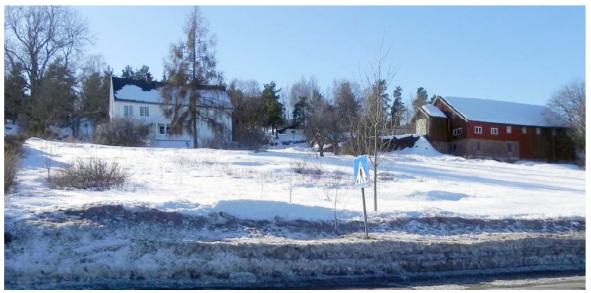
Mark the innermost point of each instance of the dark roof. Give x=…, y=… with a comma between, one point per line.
x=119, y=83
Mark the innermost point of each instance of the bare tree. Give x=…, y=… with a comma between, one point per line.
x=35, y=36
x=367, y=135
x=567, y=107
x=320, y=127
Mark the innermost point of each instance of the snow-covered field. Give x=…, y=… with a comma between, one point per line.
x=222, y=218
x=414, y=182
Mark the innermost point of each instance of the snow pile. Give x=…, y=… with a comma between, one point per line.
x=422, y=147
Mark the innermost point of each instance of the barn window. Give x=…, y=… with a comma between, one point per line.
x=509, y=147
x=478, y=129
x=508, y=129
x=457, y=131
x=538, y=130
x=128, y=111
x=494, y=131
x=524, y=130
x=144, y=111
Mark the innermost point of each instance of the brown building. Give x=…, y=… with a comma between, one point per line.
x=479, y=128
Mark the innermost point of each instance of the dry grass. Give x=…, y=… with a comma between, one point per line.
x=12, y=151
x=91, y=174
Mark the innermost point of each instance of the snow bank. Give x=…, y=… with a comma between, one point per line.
x=112, y=254
x=422, y=147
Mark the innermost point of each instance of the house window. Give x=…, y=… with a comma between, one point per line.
x=128, y=111
x=144, y=111
x=494, y=131
x=457, y=131
x=478, y=129
x=509, y=147
x=508, y=129
x=161, y=128
x=538, y=130
x=524, y=130
x=168, y=129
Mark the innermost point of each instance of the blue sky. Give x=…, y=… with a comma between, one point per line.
x=515, y=53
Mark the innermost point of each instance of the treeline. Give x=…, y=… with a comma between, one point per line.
x=327, y=118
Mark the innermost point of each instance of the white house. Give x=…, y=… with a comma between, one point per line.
x=142, y=102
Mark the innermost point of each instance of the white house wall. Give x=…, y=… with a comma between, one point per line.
x=206, y=136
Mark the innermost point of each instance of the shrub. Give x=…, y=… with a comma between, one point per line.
x=92, y=174
x=12, y=151
x=302, y=167
x=121, y=132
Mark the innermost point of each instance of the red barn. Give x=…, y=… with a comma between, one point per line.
x=480, y=128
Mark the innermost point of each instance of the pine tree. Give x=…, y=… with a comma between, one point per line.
x=127, y=72
x=301, y=111
x=190, y=66
x=397, y=107
x=94, y=96
x=420, y=99
x=273, y=108
x=57, y=97
x=15, y=99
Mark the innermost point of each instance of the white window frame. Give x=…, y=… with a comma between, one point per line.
x=538, y=131
x=478, y=129
x=494, y=131
x=508, y=129
x=127, y=111
x=144, y=111
x=523, y=130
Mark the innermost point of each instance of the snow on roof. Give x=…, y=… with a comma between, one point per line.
x=131, y=90
x=494, y=111
x=433, y=111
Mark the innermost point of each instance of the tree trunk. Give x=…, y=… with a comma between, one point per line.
x=375, y=170
x=321, y=149
x=194, y=125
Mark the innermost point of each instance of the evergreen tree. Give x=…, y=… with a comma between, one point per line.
x=273, y=107
x=57, y=97
x=14, y=93
x=144, y=74
x=301, y=111
x=190, y=66
x=128, y=72
x=420, y=99
x=398, y=107
x=94, y=96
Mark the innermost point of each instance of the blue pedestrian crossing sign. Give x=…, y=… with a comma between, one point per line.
x=361, y=171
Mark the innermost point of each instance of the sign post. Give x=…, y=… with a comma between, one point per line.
x=361, y=179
